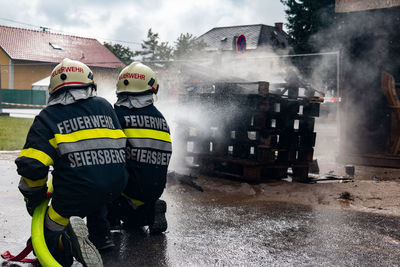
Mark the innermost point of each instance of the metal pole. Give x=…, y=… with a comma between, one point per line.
x=338, y=92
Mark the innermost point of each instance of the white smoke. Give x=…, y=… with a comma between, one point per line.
x=366, y=41
x=204, y=117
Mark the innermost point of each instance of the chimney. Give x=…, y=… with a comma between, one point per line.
x=279, y=26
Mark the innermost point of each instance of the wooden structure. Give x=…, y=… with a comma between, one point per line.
x=249, y=133
x=360, y=5
x=368, y=122
x=392, y=94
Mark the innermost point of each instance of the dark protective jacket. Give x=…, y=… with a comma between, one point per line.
x=86, y=146
x=148, y=151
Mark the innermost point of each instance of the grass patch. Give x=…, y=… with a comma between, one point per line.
x=13, y=132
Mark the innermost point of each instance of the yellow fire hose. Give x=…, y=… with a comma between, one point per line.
x=37, y=231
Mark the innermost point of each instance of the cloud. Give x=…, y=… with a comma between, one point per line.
x=130, y=20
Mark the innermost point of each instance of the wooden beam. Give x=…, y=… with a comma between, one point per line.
x=376, y=160
x=344, y=6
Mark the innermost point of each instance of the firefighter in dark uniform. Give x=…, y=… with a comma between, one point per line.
x=78, y=134
x=148, y=150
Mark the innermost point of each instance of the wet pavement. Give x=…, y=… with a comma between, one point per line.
x=209, y=229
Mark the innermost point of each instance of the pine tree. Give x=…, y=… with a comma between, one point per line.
x=306, y=18
x=164, y=51
x=153, y=51
x=123, y=53
x=186, y=46
x=149, y=47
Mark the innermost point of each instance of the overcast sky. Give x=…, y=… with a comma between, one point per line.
x=130, y=20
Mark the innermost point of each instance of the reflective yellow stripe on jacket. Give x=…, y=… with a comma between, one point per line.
x=38, y=155
x=34, y=183
x=148, y=133
x=86, y=134
x=135, y=202
x=57, y=218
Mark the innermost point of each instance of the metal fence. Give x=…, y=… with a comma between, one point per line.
x=22, y=97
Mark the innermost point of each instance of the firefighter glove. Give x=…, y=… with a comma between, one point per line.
x=34, y=199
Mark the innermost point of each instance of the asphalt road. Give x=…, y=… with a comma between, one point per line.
x=219, y=229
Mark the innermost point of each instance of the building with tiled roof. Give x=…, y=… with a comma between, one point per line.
x=258, y=37
x=243, y=53
x=27, y=56
x=240, y=53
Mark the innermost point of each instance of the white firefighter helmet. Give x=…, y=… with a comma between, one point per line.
x=137, y=79
x=70, y=74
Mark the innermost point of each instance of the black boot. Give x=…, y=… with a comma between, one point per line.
x=159, y=222
x=102, y=243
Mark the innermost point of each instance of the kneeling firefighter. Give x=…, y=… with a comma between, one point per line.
x=78, y=134
x=148, y=150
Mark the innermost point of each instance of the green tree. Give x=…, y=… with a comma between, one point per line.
x=164, y=51
x=122, y=52
x=149, y=47
x=306, y=18
x=153, y=50
x=187, y=46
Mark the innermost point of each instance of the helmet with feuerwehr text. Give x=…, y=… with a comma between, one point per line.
x=137, y=79
x=70, y=74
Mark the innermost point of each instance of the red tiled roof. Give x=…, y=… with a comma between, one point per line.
x=32, y=45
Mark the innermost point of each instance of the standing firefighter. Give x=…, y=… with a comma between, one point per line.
x=148, y=150
x=79, y=134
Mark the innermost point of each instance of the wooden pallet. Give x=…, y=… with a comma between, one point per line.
x=263, y=136
x=239, y=168
x=249, y=170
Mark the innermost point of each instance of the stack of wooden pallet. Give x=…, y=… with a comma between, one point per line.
x=251, y=134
